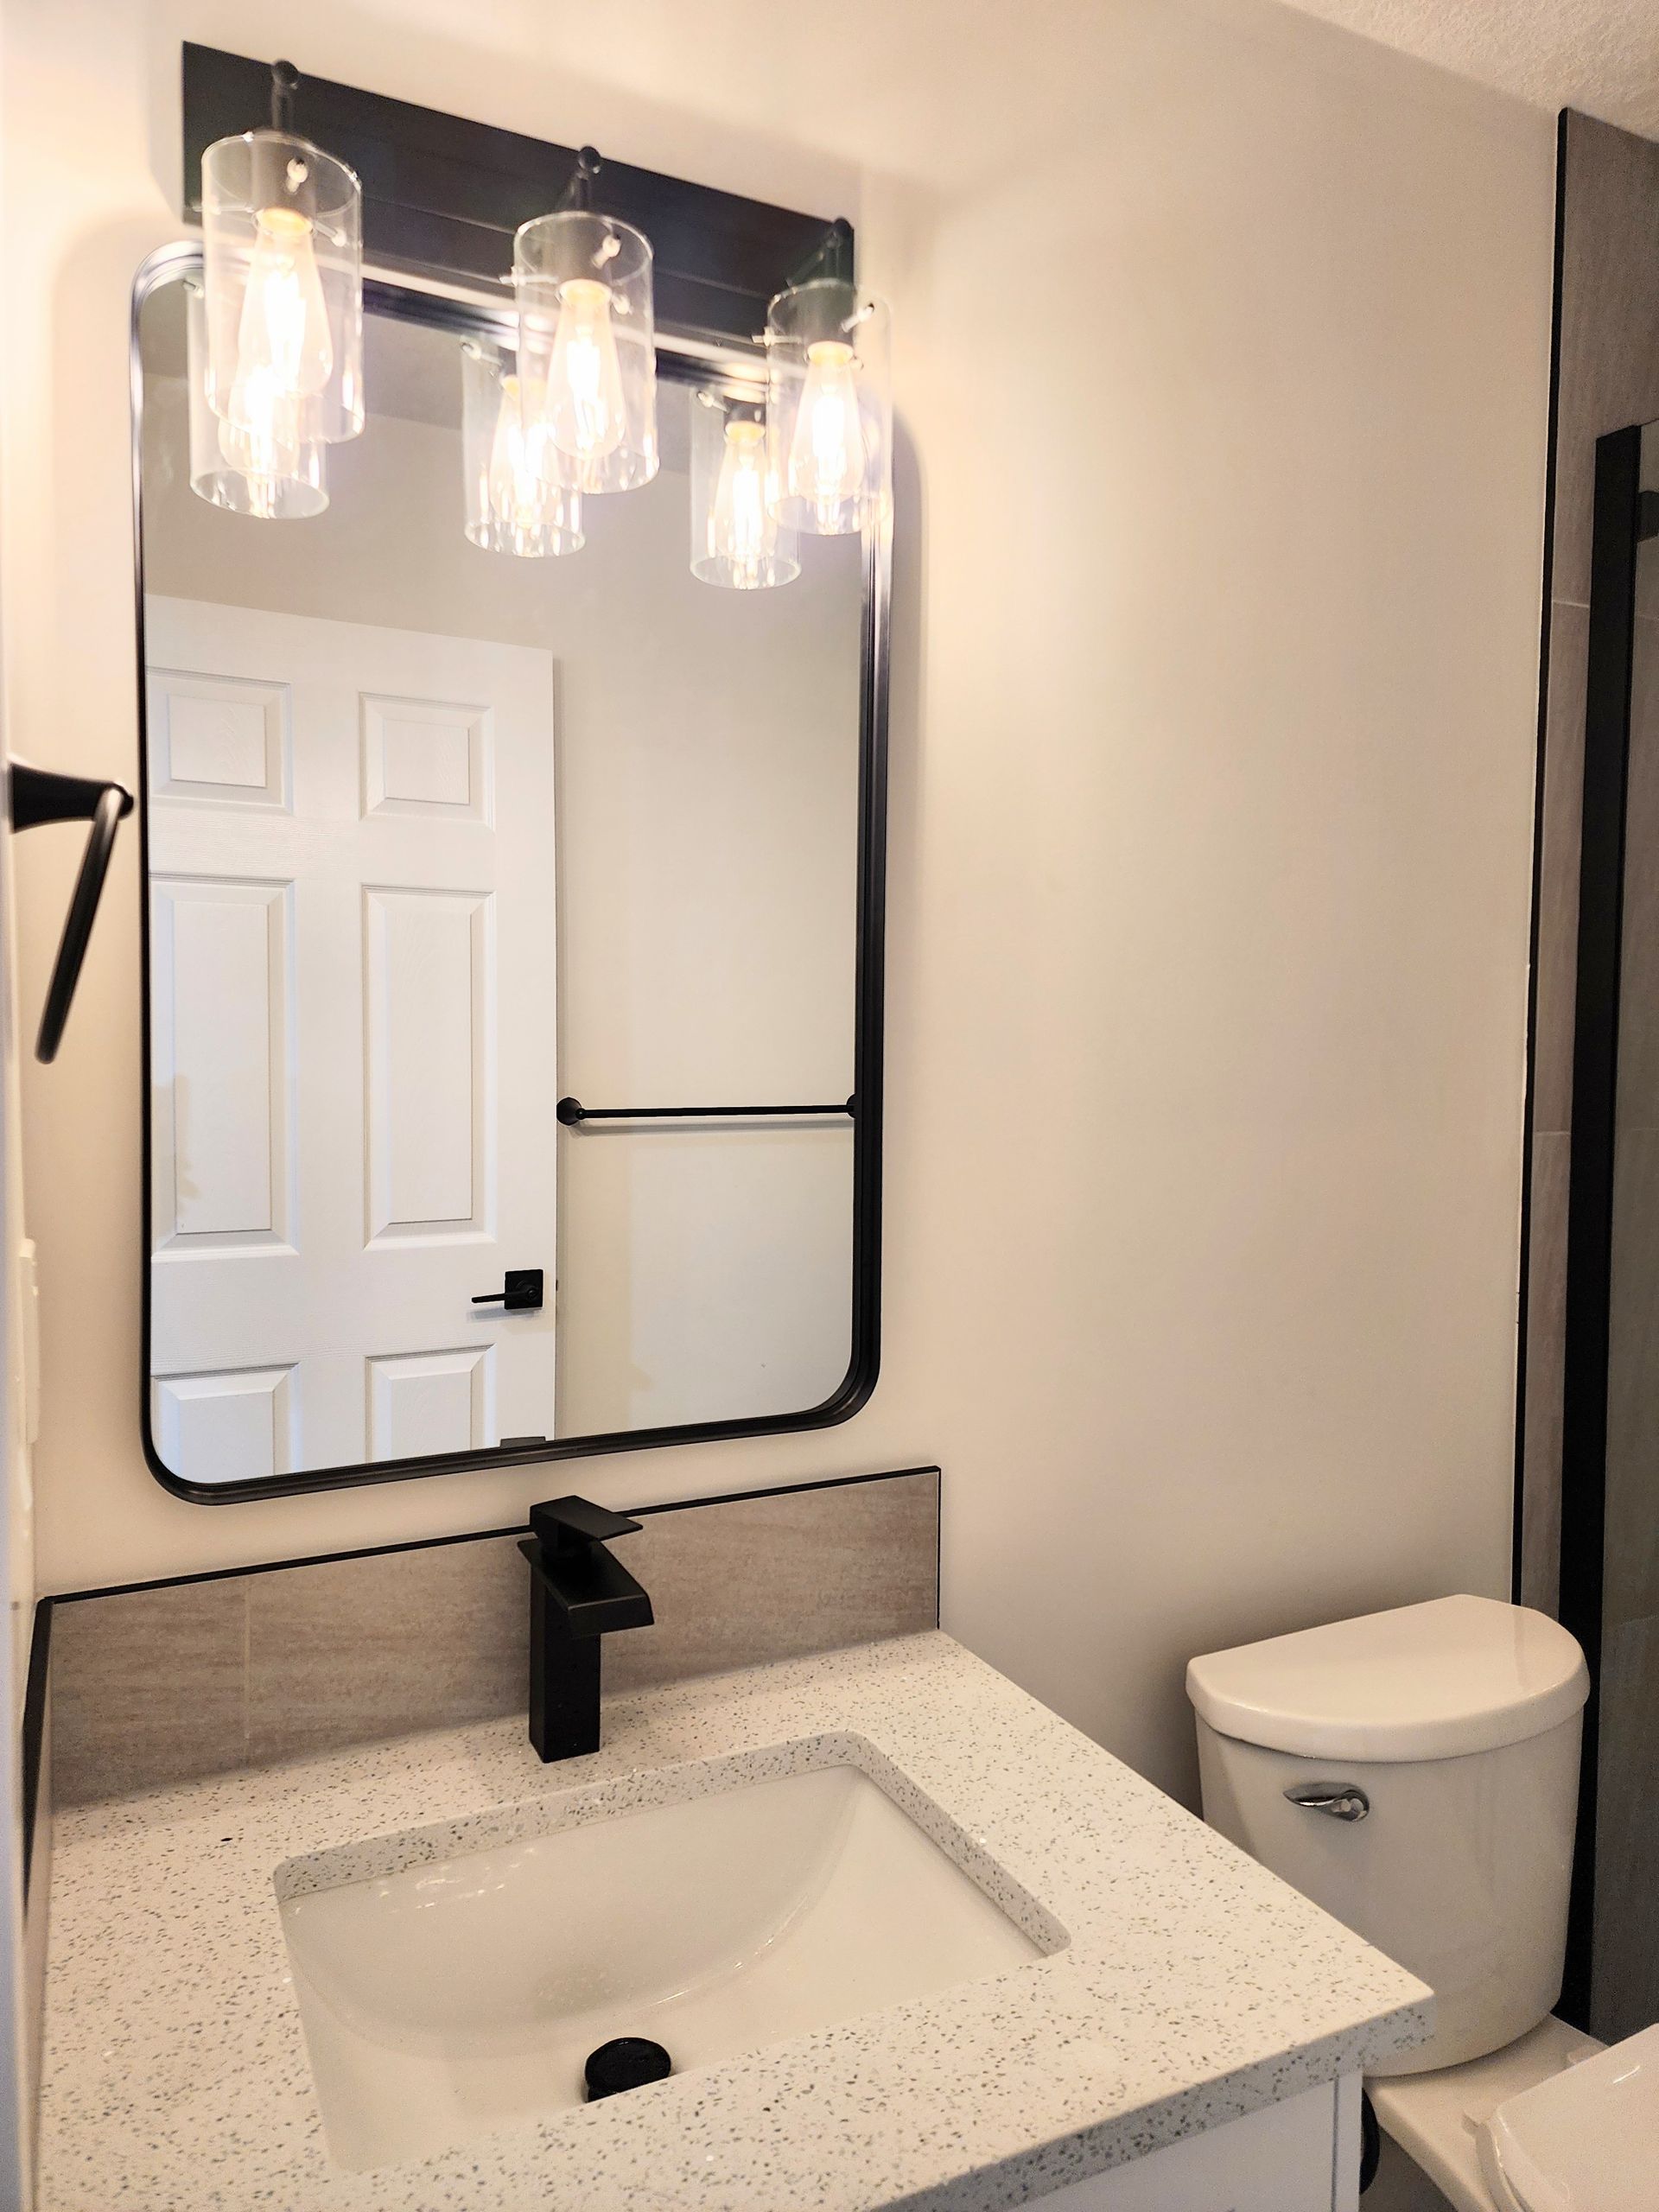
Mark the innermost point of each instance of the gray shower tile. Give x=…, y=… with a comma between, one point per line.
x=1609, y=375
x=1647, y=564
x=1541, y=1492
x=1558, y=869
x=1624, y=1981
x=1631, y=1589
x=1638, y=995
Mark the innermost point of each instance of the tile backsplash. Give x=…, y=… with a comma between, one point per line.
x=161, y=1685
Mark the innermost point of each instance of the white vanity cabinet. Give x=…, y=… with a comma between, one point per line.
x=1300, y=2156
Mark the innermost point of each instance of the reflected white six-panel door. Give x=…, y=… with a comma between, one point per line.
x=352, y=1040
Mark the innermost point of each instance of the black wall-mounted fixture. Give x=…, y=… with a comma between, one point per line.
x=39, y=796
x=443, y=196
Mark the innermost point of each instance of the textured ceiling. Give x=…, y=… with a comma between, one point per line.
x=1598, y=56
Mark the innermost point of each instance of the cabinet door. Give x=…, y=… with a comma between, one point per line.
x=1284, y=2159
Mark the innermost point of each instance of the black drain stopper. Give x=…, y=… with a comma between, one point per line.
x=625, y=2062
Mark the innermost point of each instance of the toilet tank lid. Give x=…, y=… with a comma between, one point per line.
x=1429, y=1682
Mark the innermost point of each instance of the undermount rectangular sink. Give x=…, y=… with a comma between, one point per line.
x=446, y=1996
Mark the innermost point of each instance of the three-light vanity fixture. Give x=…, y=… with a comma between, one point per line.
x=566, y=412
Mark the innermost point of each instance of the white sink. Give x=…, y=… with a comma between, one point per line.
x=455, y=1995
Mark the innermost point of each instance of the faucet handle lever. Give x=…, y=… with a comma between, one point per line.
x=564, y=1523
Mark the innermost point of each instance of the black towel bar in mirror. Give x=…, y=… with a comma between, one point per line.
x=40, y=795
x=572, y=1112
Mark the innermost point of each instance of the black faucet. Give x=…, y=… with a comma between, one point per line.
x=578, y=1593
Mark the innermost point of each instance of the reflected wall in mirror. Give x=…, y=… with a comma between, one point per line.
x=436, y=836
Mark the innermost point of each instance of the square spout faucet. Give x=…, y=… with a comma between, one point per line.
x=578, y=1594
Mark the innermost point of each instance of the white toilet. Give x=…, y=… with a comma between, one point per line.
x=1415, y=1772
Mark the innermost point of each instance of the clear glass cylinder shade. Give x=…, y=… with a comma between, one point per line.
x=282, y=268
x=217, y=477
x=737, y=540
x=515, y=501
x=587, y=347
x=828, y=407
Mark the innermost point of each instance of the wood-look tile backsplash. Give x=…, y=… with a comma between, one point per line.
x=158, y=1686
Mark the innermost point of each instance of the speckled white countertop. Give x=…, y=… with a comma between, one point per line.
x=1195, y=1988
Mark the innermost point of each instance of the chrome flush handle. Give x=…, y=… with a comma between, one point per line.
x=1342, y=1800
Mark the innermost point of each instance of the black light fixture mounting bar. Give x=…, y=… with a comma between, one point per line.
x=442, y=196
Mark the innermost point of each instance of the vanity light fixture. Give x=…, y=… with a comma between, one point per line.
x=737, y=540
x=280, y=357
x=282, y=245
x=829, y=403
x=515, y=501
x=586, y=342
x=292, y=494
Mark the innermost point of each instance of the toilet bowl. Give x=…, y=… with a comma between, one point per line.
x=1415, y=1772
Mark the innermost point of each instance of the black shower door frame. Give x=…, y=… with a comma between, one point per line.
x=1588, y=1320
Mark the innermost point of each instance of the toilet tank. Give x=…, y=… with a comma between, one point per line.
x=1415, y=1772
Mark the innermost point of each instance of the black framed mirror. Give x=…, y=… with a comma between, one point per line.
x=512, y=954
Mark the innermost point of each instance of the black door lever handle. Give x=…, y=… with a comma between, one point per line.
x=521, y=1292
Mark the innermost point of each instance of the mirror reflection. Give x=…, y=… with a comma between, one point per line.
x=438, y=835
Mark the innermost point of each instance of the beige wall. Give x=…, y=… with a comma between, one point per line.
x=1213, y=762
